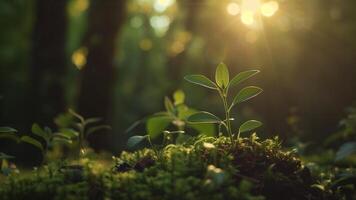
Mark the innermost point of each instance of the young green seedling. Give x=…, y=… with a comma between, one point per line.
x=10, y=133
x=48, y=137
x=222, y=85
x=83, y=129
x=176, y=113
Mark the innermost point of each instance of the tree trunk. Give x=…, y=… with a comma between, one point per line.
x=48, y=61
x=99, y=74
x=176, y=63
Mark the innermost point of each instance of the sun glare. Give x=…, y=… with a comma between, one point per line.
x=249, y=9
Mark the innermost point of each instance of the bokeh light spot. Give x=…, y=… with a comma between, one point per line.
x=162, y=5
x=270, y=8
x=247, y=17
x=79, y=57
x=160, y=24
x=233, y=8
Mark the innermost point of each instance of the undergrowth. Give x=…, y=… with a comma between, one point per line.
x=201, y=168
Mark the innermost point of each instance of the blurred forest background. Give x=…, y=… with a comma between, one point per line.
x=117, y=60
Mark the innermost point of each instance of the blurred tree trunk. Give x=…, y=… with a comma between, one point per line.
x=176, y=63
x=96, y=95
x=48, y=61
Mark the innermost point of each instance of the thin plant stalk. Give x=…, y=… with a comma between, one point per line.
x=227, y=115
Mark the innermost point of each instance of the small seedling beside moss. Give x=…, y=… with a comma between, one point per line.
x=222, y=86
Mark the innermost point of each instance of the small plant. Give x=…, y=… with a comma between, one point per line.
x=44, y=133
x=222, y=85
x=83, y=128
x=48, y=137
x=176, y=113
x=347, y=134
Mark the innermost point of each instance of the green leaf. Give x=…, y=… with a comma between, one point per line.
x=68, y=132
x=10, y=135
x=62, y=136
x=135, y=140
x=5, y=156
x=64, y=120
x=160, y=114
x=201, y=80
x=62, y=140
x=32, y=141
x=249, y=126
x=203, y=117
x=184, y=111
x=204, y=129
x=222, y=76
x=155, y=125
x=7, y=130
x=178, y=97
x=242, y=76
x=169, y=106
x=345, y=150
x=92, y=120
x=78, y=116
x=346, y=179
x=97, y=128
x=246, y=94
x=37, y=130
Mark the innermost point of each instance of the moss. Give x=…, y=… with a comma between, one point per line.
x=203, y=168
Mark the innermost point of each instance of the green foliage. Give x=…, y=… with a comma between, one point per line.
x=201, y=80
x=135, y=140
x=32, y=141
x=242, y=76
x=222, y=86
x=82, y=129
x=9, y=133
x=176, y=114
x=204, y=117
x=246, y=94
x=252, y=170
x=7, y=130
x=222, y=76
x=345, y=138
x=4, y=156
x=346, y=150
x=65, y=135
x=249, y=126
